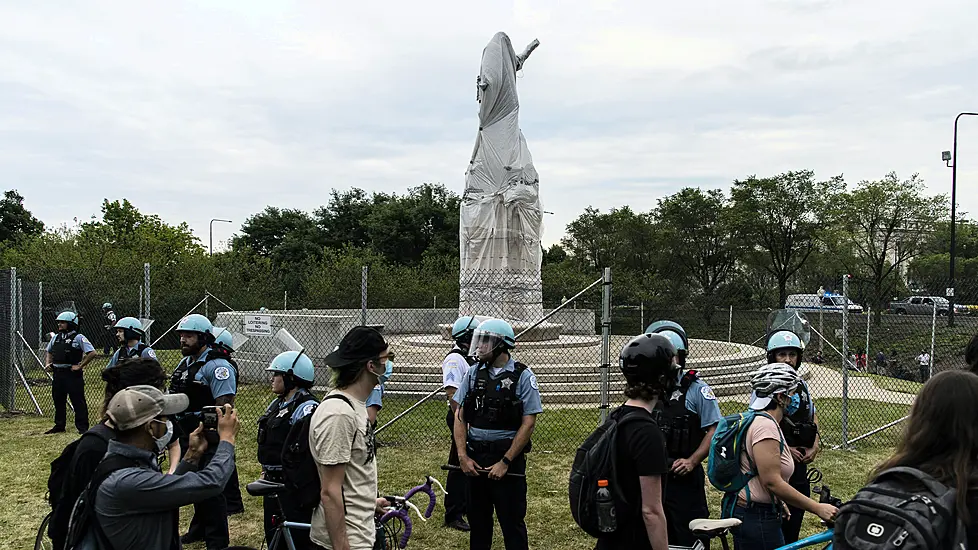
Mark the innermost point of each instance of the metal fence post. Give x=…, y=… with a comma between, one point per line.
x=40, y=314
x=8, y=373
x=285, y=301
x=605, y=341
x=845, y=362
x=641, y=309
x=869, y=316
x=141, y=301
x=730, y=326
x=146, y=296
x=933, y=335
x=363, y=296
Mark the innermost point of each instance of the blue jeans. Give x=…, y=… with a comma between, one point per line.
x=760, y=530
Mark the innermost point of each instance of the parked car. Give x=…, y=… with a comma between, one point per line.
x=811, y=303
x=921, y=305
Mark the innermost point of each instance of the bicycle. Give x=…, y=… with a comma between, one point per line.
x=41, y=541
x=395, y=518
x=710, y=529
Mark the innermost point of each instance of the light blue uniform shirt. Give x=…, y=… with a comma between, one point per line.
x=147, y=353
x=217, y=374
x=301, y=411
x=79, y=342
x=701, y=401
x=376, y=397
x=527, y=390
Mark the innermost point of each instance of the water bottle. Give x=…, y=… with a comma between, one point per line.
x=607, y=522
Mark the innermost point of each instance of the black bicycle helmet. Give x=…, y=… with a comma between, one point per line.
x=648, y=358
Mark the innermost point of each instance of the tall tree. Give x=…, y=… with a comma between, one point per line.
x=698, y=232
x=783, y=216
x=403, y=229
x=886, y=222
x=16, y=222
x=283, y=235
x=620, y=239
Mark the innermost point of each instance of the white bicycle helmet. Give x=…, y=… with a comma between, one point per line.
x=774, y=378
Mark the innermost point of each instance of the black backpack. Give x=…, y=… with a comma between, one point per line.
x=84, y=526
x=901, y=508
x=298, y=466
x=596, y=459
x=61, y=466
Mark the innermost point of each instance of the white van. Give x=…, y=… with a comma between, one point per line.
x=809, y=303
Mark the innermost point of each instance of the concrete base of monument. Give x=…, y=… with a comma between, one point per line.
x=540, y=333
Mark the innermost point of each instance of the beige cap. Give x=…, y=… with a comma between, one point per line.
x=137, y=405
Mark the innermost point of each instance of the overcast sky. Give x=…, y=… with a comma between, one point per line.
x=199, y=110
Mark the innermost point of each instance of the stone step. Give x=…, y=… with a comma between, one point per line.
x=591, y=397
x=545, y=370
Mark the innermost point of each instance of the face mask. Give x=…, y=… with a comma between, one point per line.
x=388, y=371
x=793, y=404
x=165, y=438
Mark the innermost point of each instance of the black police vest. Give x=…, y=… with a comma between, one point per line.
x=184, y=380
x=494, y=404
x=679, y=425
x=799, y=428
x=131, y=353
x=274, y=426
x=62, y=350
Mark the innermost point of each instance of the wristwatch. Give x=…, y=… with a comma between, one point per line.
x=506, y=461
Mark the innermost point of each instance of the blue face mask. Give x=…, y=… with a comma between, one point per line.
x=793, y=404
x=388, y=371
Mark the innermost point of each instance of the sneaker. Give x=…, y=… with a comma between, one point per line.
x=458, y=525
x=190, y=539
x=55, y=430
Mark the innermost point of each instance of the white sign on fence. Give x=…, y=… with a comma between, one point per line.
x=258, y=325
x=838, y=333
x=949, y=292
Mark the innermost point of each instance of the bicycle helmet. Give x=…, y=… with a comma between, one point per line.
x=770, y=380
x=132, y=328
x=648, y=359
x=783, y=339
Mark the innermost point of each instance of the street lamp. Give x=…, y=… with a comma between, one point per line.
x=212, y=232
x=949, y=158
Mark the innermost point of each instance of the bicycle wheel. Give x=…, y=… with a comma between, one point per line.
x=41, y=541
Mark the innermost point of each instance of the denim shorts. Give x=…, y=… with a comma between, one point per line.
x=761, y=527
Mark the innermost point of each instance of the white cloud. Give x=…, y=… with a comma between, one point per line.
x=217, y=109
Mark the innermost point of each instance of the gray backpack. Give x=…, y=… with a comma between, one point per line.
x=903, y=508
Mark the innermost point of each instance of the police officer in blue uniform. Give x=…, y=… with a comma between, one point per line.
x=224, y=346
x=799, y=425
x=109, y=324
x=208, y=379
x=129, y=332
x=375, y=402
x=292, y=378
x=453, y=369
x=67, y=354
x=498, y=401
x=687, y=417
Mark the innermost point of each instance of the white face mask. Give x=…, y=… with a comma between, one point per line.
x=162, y=441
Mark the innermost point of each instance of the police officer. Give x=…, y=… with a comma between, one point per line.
x=129, y=333
x=688, y=417
x=208, y=380
x=498, y=403
x=453, y=368
x=292, y=376
x=224, y=347
x=800, y=425
x=109, y=324
x=374, y=403
x=67, y=354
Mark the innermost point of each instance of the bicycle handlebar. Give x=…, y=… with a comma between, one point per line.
x=401, y=514
x=426, y=488
x=400, y=506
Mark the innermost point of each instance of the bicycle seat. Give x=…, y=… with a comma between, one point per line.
x=713, y=527
x=264, y=488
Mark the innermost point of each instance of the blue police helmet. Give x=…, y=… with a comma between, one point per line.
x=296, y=362
x=784, y=339
x=106, y=305
x=496, y=328
x=131, y=326
x=464, y=326
x=223, y=338
x=664, y=325
x=68, y=317
x=677, y=340
x=195, y=323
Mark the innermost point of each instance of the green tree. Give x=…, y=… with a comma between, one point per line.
x=16, y=222
x=783, y=217
x=886, y=222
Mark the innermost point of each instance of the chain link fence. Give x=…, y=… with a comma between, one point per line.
x=863, y=364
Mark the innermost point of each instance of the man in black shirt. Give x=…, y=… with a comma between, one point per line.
x=647, y=363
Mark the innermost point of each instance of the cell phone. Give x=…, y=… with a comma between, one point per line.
x=210, y=418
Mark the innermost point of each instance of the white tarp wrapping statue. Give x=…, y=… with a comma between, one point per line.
x=501, y=218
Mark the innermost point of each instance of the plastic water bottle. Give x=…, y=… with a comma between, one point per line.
x=607, y=522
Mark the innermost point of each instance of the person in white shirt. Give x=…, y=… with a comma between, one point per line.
x=923, y=362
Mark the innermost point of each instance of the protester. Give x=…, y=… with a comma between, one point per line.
x=136, y=505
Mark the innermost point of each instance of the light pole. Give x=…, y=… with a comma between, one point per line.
x=949, y=158
x=212, y=233
x=821, y=303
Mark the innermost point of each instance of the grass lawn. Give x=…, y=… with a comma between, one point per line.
x=408, y=454
x=884, y=382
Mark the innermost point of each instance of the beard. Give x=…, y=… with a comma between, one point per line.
x=187, y=350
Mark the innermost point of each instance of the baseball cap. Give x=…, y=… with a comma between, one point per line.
x=137, y=405
x=359, y=344
x=758, y=403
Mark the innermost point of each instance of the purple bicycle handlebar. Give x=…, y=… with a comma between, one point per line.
x=402, y=515
x=426, y=487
